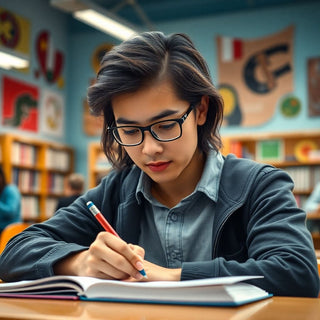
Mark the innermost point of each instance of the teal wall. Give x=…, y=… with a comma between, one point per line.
x=255, y=24
x=78, y=48
x=41, y=17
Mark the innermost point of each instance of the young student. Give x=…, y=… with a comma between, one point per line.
x=74, y=187
x=181, y=210
x=10, y=202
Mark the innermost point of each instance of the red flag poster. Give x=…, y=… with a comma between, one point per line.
x=20, y=105
x=254, y=75
x=50, y=59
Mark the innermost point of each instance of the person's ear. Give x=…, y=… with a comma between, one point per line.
x=202, y=110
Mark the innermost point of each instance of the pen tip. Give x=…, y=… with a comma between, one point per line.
x=143, y=273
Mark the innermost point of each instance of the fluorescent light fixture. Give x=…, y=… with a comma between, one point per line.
x=105, y=23
x=97, y=17
x=11, y=60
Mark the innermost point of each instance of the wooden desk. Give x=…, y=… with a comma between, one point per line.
x=283, y=308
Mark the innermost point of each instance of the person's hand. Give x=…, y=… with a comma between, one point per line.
x=108, y=257
x=158, y=273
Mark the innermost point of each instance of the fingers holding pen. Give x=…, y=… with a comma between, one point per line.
x=137, y=259
x=116, y=245
x=115, y=258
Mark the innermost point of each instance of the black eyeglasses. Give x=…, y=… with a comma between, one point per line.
x=164, y=131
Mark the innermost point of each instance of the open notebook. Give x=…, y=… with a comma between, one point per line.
x=224, y=291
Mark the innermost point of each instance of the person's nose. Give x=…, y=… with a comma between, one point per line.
x=150, y=145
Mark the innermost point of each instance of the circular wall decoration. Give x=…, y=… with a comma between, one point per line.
x=229, y=99
x=302, y=149
x=98, y=55
x=232, y=111
x=290, y=106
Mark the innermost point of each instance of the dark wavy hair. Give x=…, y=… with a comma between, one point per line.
x=146, y=60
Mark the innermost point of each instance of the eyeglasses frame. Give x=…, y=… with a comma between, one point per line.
x=180, y=121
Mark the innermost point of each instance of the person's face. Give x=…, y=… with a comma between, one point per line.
x=163, y=162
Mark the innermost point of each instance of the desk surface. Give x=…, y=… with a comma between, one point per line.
x=283, y=308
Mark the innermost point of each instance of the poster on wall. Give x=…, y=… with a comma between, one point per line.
x=254, y=74
x=92, y=125
x=314, y=86
x=14, y=33
x=50, y=60
x=19, y=105
x=98, y=54
x=52, y=113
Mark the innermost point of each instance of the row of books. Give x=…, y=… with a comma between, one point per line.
x=26, y=180
x=304, y=177
x=50, y=207
x=24, y=154
x=57, y=160
x=30, y=210
x=55, y=183
x=274, y=150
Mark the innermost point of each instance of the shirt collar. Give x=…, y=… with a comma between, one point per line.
x=208, y=184
x=210, y=179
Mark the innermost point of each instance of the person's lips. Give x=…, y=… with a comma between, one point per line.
x=158, y=166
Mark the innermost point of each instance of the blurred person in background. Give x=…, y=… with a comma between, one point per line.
x=313, y=202
x=73, y=189
x=10, y=202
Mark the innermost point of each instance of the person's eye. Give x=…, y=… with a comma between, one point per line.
x=130, y=131
x=167, y=125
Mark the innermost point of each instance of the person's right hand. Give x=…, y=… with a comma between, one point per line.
x=108, y=257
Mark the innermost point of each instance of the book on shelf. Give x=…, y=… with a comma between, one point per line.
x=223, y=291
x=50, y=207
x=29, y=208
x=57, y=160
x=305, y=177
x=26, y=180
x=23, y=154
x=55, y=183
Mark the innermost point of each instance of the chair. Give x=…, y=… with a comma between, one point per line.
x=318, y=260
x=10, y=231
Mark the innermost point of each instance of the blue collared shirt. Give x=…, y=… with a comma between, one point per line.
x=171, y=236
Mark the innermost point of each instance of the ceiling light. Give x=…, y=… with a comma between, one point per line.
x=12, y=60
x=105, y=23
x=97, y=17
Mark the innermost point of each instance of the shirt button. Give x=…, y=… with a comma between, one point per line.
x=173, y=255
x=174, y=217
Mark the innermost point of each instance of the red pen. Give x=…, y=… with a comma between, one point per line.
x=105, y=224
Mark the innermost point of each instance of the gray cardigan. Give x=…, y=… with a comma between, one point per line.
x=258, y=230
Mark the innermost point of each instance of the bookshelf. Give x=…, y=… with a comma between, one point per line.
x=297, y=153
x=38, y=168
x=98, y=164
